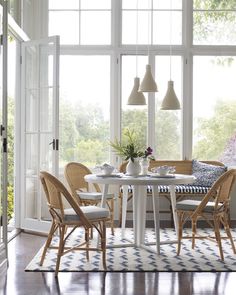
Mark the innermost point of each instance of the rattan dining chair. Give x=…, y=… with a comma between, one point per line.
x=65, y=221
x=213, y=208
x=74, y=174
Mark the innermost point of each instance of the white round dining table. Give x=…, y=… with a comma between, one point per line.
x=139, y=189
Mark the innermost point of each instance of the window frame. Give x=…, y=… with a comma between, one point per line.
x=186, y=50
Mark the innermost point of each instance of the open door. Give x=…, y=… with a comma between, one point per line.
x=39, y=125
x=3, y=133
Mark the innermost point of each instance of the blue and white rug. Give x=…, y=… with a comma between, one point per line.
x=205, y=256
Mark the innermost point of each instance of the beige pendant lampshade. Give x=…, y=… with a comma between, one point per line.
x=170, y=101
x=136, y=98
x=148, y=84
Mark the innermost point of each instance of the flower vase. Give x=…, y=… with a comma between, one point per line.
x=133, y=167
x=144, y=163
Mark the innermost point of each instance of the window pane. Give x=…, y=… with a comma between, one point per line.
x=133, y=117
x=84, y=109
x=65, y=24
x=161, y=27
x=95, y=4
x=129, y=27
x=214, y=28
x=168, y=123
x=212, y=4
x=167, y=4
x=62, y=4
x=95, y=27
x=214, y=105
x=132, y=4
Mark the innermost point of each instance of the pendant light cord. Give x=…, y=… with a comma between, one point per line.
x=170, y=36
x=136, y=49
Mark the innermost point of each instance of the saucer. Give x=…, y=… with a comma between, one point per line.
x=156, y=175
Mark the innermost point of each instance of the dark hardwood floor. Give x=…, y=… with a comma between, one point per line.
x=24, y=247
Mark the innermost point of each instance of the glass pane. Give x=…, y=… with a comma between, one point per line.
x=161, y=27
x=214, y=28
x=95, y=27
x=129, y=27
x=95, y=4
x=84, y=109
x=31, y=67
x=212, y=4
x=46, y=152
x=31, y=155
x=31, y=110
x=46, y=67
x=134, y=118
x=46, y=109
x=214, y=109
x=65, y=24
x=62, y=4
x=167, y=4
x=168, y=123
x=132, y=4
x=31, y=197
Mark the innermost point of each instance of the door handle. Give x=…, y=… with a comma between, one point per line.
x=53, y=144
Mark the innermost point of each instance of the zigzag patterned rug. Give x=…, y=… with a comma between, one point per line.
x=205, y=256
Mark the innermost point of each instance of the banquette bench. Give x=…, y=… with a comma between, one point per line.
x=181, y=167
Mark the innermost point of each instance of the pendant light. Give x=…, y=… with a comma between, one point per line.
x=148, y=84
x=170, y=101
x=136, y=97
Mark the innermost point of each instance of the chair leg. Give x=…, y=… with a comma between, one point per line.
x=228, y=232
x=60, y=248
x=103, y=243
x=87, y=242
x=218, y=238
x=48, y=242
x=180, y=231
x=112, y=217
x=194, y=229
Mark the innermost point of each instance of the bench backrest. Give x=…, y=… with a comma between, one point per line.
x=181, y=166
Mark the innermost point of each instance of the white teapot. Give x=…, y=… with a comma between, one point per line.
x=163, y=170
x=107, y=169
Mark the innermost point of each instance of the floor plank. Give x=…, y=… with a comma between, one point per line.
x=24, y=247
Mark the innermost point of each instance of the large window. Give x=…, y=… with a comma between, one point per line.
x=99, y=44
x=214, y=108
x=84, y=109
x=168, y=136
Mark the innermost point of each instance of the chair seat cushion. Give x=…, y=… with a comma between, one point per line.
x=91, y=212
x=191, y=205
x=92, y=195
x=184, y=189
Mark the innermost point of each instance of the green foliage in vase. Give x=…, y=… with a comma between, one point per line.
x=130, y=149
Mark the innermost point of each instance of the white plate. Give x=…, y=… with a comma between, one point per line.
x=162, y=176
x=108, y=175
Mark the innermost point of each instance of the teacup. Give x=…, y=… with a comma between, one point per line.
x=107, y=169
x=163, y=170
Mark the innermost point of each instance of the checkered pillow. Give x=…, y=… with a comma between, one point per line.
x=206, y=174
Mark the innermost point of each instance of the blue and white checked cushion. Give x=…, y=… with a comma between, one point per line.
x=184, y=189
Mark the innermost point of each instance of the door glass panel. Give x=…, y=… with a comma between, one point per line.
x=46, y=109
x=31, y=116
x=31, y=197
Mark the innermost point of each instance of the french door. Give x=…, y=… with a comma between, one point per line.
x=3, y=140
x=39, y=127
